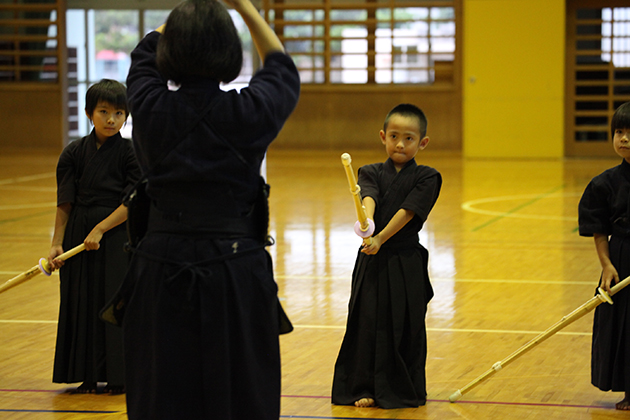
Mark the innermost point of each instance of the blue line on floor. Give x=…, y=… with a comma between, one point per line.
x=6, y=410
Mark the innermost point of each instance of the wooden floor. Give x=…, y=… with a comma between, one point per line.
x=505, y=259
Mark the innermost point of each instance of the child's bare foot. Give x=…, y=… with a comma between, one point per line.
x=624, y=404
x=85, y=388
x=114, y=389
x=365, y=402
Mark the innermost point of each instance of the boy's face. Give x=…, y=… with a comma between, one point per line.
x=402, y=140
x=621, y=142
x=107, y=120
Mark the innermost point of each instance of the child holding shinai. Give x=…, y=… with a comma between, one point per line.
x=383, y=355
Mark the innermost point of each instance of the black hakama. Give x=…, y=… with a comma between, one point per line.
x=205, y=335
x=384, y=350
x=94, y=181
x=605, y=209
x=201, y=319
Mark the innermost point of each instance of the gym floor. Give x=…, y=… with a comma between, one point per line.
x=506, y=263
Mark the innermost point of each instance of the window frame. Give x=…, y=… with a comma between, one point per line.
x=594, y=86
x=442, y=74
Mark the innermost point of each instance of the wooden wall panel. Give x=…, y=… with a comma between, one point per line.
x=32, y=118
x=338, y=119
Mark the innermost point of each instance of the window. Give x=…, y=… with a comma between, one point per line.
x=616, y=36
x=99, y=46
x=366, y=42
x=599, y=71
x=29, y=42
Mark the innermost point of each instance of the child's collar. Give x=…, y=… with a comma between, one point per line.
x=390, y=162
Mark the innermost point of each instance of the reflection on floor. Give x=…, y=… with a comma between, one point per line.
x=505, y=259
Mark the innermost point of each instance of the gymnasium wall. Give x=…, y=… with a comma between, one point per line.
x=512, y=84
x=338, y=119
x=513, y=78
x=32, y=117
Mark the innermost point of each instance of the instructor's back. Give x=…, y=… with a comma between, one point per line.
x=201, y=322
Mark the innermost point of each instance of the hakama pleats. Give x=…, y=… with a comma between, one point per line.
x=205, y=336
x=610, y=363
x=88, y=350
x=384, y=350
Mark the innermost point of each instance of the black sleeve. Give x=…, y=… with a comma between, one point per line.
x=594, y=209
x=425, y=193
x=368, y=181
x=66, y=175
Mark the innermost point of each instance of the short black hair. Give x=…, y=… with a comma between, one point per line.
x=200, y=40
x=620, y=119
x=409, y=110
x=106, y=90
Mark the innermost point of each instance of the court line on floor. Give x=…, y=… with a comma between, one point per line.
x=511, y=213
x=30, y=216
x=433, y=279
x=56, y=391
x=448, y=401
x=7, y=410
x=27, y=178
x=526, y=404
x=33, y=390
x=289, y=416
x=341, y=327
x=495, y=403
x=319, y=397
x=466, y=330
x=27, y=188
x=444, y=279
x=48, y=205
x=524, y=281
x=468, y=206
x=453, y=330
x=9, y=273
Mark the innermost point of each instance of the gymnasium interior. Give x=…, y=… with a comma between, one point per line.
x=519, y=95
